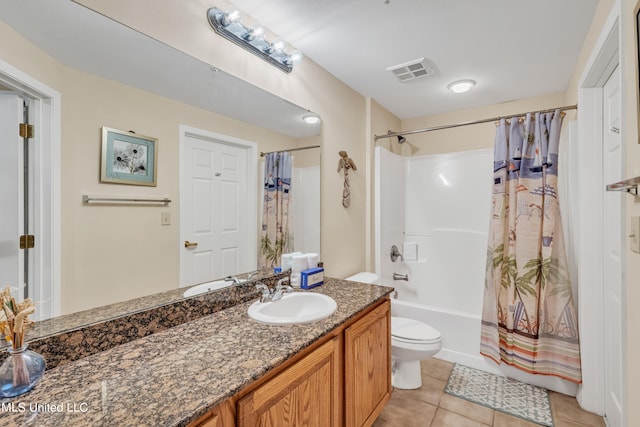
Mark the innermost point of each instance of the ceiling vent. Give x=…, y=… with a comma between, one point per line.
x=411, y=70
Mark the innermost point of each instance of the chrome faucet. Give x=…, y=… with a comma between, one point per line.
x=266, y=292
x=233, y=279
x=281, y=289
x=397, y=276
x=269, y=295
x=237, y=281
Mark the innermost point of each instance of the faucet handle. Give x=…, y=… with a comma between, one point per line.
x=266, y=292
x=279, y=285
x=284, y=288
x=395, y=254
x=280, y=291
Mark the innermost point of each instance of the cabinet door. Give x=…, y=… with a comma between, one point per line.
x=306, y=394
x=367, y=364
x=222, y=415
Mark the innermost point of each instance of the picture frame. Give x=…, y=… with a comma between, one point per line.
x=128, y=158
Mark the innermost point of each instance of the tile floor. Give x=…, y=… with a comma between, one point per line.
x=430, y=406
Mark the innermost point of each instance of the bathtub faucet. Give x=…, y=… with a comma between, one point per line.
x=397, y=276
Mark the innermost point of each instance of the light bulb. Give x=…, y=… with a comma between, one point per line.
x=253, y=33
x=276, y=44
x=230, y=16
x=295, y=57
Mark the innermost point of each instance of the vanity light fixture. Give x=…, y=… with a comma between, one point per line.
x=229, y=25
x=461, y=86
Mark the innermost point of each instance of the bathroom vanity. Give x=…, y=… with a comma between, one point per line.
x=342, y=379
x=225, y=369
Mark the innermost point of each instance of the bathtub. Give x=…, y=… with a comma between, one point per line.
x=440, y=205
x=461, y=342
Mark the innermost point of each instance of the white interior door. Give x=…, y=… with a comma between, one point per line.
x=11, y=192
x=42, y=189
x=215, y=208
x=613, y=239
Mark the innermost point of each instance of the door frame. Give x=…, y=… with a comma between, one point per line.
x=252, y=176
x=604, y=58
x=47, y=183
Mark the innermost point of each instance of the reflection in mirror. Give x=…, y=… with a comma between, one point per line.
x=119, y=53
x=83, y=43
x=290, y=220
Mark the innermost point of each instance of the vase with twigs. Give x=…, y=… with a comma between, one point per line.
x=22, y=368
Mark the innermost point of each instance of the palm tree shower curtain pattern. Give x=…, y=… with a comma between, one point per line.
x=276, y=238
x=528, y=317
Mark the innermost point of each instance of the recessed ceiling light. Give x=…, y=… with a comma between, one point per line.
x=461, y=86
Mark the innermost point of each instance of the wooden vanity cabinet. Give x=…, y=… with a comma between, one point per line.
x=367, y=367
x=344, y=379
x=223, y=415
x=306, y=394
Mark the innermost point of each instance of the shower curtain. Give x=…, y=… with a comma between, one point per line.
x=276, y=238
x=528, y=317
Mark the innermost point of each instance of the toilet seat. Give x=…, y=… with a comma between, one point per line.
x=413, y=331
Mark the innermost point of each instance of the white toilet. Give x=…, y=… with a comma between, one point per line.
x=411, y=342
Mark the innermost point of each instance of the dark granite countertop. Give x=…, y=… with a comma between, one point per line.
x=172, y=377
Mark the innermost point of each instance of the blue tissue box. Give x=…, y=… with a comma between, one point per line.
x=311, y=278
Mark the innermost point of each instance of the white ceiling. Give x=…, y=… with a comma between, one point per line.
x=513, y=48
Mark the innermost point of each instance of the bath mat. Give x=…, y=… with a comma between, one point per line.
x=502, y=394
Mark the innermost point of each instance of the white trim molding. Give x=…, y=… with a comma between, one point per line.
x=604, y=59
x=47, y=103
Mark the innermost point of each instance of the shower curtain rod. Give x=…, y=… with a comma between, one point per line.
x=262, y=154
x=475, y=122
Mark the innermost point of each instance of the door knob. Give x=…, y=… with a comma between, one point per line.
x=188, y=244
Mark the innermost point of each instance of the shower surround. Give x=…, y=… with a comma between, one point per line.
x=441, y=203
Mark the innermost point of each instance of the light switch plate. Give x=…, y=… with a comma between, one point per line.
x=165, y=218
x=634, y=237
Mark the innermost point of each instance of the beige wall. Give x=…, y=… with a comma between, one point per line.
x=469, y=137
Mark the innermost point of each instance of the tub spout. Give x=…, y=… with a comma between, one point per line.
x=397, y=276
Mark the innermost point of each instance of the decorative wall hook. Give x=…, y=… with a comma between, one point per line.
x=346, y=163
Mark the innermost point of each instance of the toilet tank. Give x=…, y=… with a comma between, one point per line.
x=364, y=277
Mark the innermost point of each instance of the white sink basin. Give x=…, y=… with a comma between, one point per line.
x=209, y=286
x=293, y=308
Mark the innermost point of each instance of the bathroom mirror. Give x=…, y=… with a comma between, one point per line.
x=86, y=42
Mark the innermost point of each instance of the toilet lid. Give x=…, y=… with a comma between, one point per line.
x=412, y=330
